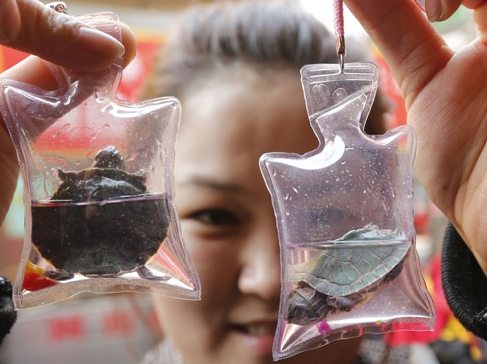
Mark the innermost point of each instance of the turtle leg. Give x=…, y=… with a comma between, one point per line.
x=145, y=273
x=58, y=275
x=346, y=303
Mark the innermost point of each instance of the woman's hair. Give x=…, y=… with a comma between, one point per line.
x=268, y=34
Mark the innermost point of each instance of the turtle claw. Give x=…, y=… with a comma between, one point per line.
x=58, y=275
x=145, y=273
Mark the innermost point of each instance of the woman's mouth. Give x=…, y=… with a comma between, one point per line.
x=256, y=336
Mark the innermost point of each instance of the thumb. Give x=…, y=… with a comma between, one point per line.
x=57, y=37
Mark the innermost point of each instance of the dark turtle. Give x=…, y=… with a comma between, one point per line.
x=342, y=274
x=8, y=315
x=101, y=221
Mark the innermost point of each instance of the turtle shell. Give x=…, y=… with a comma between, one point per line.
x=110, y=224
x=98, y=184
x=357, y=261
x=105, y=179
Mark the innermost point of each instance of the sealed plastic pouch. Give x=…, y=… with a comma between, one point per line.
x=98, y=187
x=345, y=221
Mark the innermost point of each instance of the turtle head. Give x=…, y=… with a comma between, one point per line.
x=69, y=177
x=109, y=157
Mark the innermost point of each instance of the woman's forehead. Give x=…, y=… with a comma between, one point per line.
x=240, y=85
x=230, y=122
x=230, y=107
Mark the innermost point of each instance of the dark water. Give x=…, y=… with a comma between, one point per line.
x=100, y=238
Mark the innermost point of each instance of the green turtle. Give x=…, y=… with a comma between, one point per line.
x=340, y=275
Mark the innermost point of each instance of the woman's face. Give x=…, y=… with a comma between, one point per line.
x=228, y=224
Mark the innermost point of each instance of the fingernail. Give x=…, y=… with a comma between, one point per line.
x=99, y=43
x=433, y=9
x=9, y=21
x=420, y=3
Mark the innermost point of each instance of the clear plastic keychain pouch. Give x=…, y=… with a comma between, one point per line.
x=98, y=177
x=345, y=220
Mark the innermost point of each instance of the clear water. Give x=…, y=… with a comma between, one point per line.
x=304, y=252
x=336, y=277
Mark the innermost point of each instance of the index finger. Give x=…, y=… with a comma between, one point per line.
x=65, y=40
x=35, y=71
x=413, y=49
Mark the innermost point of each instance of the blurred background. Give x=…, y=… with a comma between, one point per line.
x=122, y=327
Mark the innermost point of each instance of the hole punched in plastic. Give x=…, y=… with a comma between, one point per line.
x=59, y=6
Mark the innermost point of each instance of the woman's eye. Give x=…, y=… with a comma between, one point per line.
x=216, y=217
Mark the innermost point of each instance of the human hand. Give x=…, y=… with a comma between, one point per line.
x=446, y=98
x=32, y=27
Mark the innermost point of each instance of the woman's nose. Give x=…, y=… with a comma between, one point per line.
x=260, y=272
